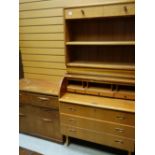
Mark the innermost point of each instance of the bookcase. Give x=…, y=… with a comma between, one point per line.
x=100, y=60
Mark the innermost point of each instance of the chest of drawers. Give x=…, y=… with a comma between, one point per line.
x=104, y=121
x=39, y=113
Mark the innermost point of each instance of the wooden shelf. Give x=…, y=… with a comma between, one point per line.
x=104, y=79
x=101, y=91
x=121, y=66
x=101, y=43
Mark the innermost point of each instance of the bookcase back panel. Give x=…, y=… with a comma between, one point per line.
x=101, y=55
x=107, y=29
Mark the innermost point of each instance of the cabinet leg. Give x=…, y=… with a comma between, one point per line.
x=67, y=141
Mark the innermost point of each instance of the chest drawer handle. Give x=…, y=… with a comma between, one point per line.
x=119, y=141
x=72, y=130
x=43, y=98
x=125, y=9
x=82, y=11
x=72, y=109
x=119, y=130
x=21, y=115
x=47, y=120
x=72, y=120
x=120, y=117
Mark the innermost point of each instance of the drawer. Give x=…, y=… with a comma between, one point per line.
x=100, y=11
x=98, y=126
x=42, y=122
x=98, y=113
x=39, y=100
x=49, y=124
x=104, y=139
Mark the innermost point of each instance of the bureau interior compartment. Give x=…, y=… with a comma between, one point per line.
x=101, y=89
x=111, y=57
x=101, y=29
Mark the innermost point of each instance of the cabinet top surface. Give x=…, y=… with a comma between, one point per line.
x=99, y=102
x=106, y=2
x=40, y=86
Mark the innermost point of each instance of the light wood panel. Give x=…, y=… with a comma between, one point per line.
x=44, y=64
x=27, y=1
x=42, y=77
x=45, y=58
x=52, y=44
x=66, y=3
x=41, y=29
x=43, y=51
x=41, y=21
x=45, y=36
x=41, y=13
x=46, y=71
x=100, y=11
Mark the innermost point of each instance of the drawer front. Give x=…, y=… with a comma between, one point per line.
x=39, y=100
x=98, y=126
x=42, y=122
x=49, y=123
x=26, y=119
x=100, y=11
x=98, y=113
x=105, y=139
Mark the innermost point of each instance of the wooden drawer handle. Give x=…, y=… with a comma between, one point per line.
x=119, y=130
x=21, y=115
x=119, y=141
x=82, y=11
x=72, y=130
x=125, y=9
x=47, y=120
x=43, y=98
x=72, y=109
x=72, y=120
x=120, y=117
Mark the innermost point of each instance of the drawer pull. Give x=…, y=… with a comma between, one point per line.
x=125, y=9
x=119, y=130
x=21, y=115
x=82, y=11
x=120, y=117
x=47, y=120
x=119, y=141
x=43, y=98
x=72, y=121
x=72, y=130
x=72, y=109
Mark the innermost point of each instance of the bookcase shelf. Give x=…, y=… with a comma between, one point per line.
x=105, y=43
x=121, y=66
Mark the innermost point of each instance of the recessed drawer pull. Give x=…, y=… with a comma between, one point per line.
x=43, y=98
x=125, y=9
x=72, y=109
x=120, y=117
x=119, y=141
x=47, y=120
x=21, y=115
x=82, y=11
x=119, y=130
x=72, y=130
x=20, y=94
x=71, y=120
